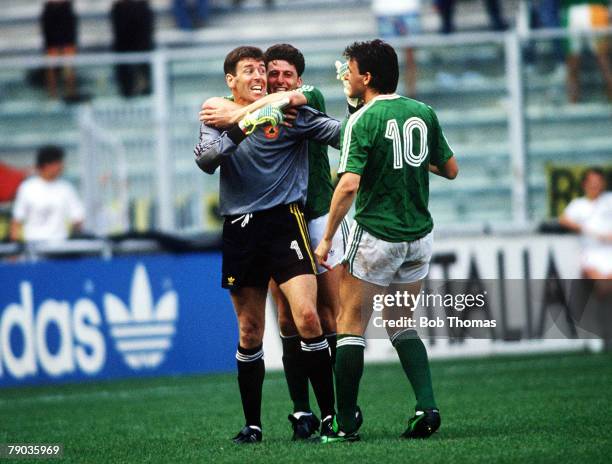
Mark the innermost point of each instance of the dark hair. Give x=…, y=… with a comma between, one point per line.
x=287, y=53
x=49, y=154
x=593, y=170
x=240, y=53
x=379, y=59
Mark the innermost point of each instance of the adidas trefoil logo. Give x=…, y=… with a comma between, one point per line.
x=143, y=332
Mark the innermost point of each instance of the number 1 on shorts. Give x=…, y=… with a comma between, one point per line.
x=294, y=246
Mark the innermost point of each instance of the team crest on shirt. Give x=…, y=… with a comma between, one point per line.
x=271, y=132
x=231, y=280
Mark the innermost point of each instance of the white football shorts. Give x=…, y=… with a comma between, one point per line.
x=316, y=227
x=383, y=263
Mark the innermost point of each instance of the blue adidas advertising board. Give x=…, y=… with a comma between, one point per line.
x=75, y=320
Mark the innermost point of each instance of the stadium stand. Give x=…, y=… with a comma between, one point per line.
x=466, y=83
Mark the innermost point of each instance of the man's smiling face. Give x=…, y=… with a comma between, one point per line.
x=282, y=76
x=249, y=83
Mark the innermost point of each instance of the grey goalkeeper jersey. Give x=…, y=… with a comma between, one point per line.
x=269, y=167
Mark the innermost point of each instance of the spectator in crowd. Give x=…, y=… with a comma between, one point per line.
x=400, y=18
x=59, y=28
x=46, y=207
x=591, y=216
x=580, y=16
x=10, y=179
x=546, y=14
x=190, y=14
x=447, y=13
x=133, y=24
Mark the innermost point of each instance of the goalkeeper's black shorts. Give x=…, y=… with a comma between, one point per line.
x=273, y=243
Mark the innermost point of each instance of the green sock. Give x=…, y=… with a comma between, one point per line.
x=349, y=368
x=413, y=356
x=297, y=380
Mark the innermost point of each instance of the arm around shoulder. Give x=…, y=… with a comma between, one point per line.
x=220, y=112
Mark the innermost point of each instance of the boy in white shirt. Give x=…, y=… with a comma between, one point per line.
x=46, y=207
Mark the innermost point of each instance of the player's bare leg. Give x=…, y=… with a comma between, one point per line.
x=250, y=306
x=328, y=305
x=301, y=293
x=328, y=298
x=285, y=319
x=354, y=315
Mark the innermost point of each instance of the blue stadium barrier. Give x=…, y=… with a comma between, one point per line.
x=95, y=319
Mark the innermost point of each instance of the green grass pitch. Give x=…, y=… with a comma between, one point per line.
x=547, y=408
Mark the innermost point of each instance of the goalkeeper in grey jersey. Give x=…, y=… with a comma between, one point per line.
x=263, y=183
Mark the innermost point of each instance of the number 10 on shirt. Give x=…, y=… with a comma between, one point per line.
x=406, y=151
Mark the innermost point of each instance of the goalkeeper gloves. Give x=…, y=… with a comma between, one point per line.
x=268, y=115
x=341, y=71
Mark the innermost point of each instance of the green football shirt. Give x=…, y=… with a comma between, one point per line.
x=320, y=187
x=390, y=143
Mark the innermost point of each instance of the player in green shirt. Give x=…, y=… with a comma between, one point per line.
x=285, y=65
x=389, y=147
